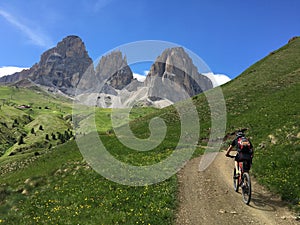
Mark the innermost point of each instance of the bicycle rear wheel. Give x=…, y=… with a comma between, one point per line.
x=235, y=181
x=246, y=188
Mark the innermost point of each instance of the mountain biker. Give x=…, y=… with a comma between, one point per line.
x=235, y=144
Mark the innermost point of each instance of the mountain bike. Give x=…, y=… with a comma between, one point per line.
x=243, y=180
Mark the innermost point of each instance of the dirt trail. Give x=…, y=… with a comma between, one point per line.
x=208, y=198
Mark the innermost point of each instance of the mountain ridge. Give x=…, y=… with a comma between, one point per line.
x=60, y=67
x=68, y=67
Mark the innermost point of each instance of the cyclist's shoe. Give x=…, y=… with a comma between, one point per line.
x=236, y=176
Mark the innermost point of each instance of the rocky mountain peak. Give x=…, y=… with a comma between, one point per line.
x=63, y=65
x=113, y=70
x=70, y=47
x=60, y=67
x=175, y=65
x=67, y=67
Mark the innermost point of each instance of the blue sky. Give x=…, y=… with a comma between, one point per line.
x=229, y=35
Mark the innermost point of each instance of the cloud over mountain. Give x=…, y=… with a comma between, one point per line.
x=141, y=77
x=8, y=70
x=217, y=79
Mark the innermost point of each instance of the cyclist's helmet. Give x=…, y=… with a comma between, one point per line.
x=240, y=134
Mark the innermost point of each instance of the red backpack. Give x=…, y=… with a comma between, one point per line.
x=243, y=145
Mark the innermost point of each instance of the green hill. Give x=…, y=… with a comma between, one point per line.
x=265, y=99
x=31, y=114
x=57, y=186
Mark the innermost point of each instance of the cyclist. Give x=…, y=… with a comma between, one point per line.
x=239, y=157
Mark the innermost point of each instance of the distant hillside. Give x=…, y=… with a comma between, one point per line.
x=33, y=116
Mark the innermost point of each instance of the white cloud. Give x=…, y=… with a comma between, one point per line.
x=217, y=79
x=37, y=38
x=141, y=77
x=8, y=70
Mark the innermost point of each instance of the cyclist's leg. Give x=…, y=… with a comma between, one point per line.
x=236, y=164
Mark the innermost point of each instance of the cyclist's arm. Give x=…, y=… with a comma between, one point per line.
x=233, y=143
x=229, y=150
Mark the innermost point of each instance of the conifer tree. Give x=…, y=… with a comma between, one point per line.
x=21, y=140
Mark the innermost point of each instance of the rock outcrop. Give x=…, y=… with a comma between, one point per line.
x=60, y=67
x=113, y=70
x=175, y=77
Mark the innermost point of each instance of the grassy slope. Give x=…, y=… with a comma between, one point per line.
x=265, y=99
x=46, y=110
x=58, y=187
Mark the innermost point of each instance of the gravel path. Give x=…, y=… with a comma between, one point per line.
x=209, y=198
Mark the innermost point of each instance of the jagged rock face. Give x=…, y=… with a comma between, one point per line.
x=61, y=67
x=68, y=68
x=174, y=76
x=113, y=70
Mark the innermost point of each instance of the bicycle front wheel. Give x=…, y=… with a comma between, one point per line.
x=246, y=188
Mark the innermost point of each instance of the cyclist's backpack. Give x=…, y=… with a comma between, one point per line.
x=243, y=145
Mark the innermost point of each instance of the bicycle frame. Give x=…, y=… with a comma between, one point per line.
x=243, y=180
x=243, y=167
